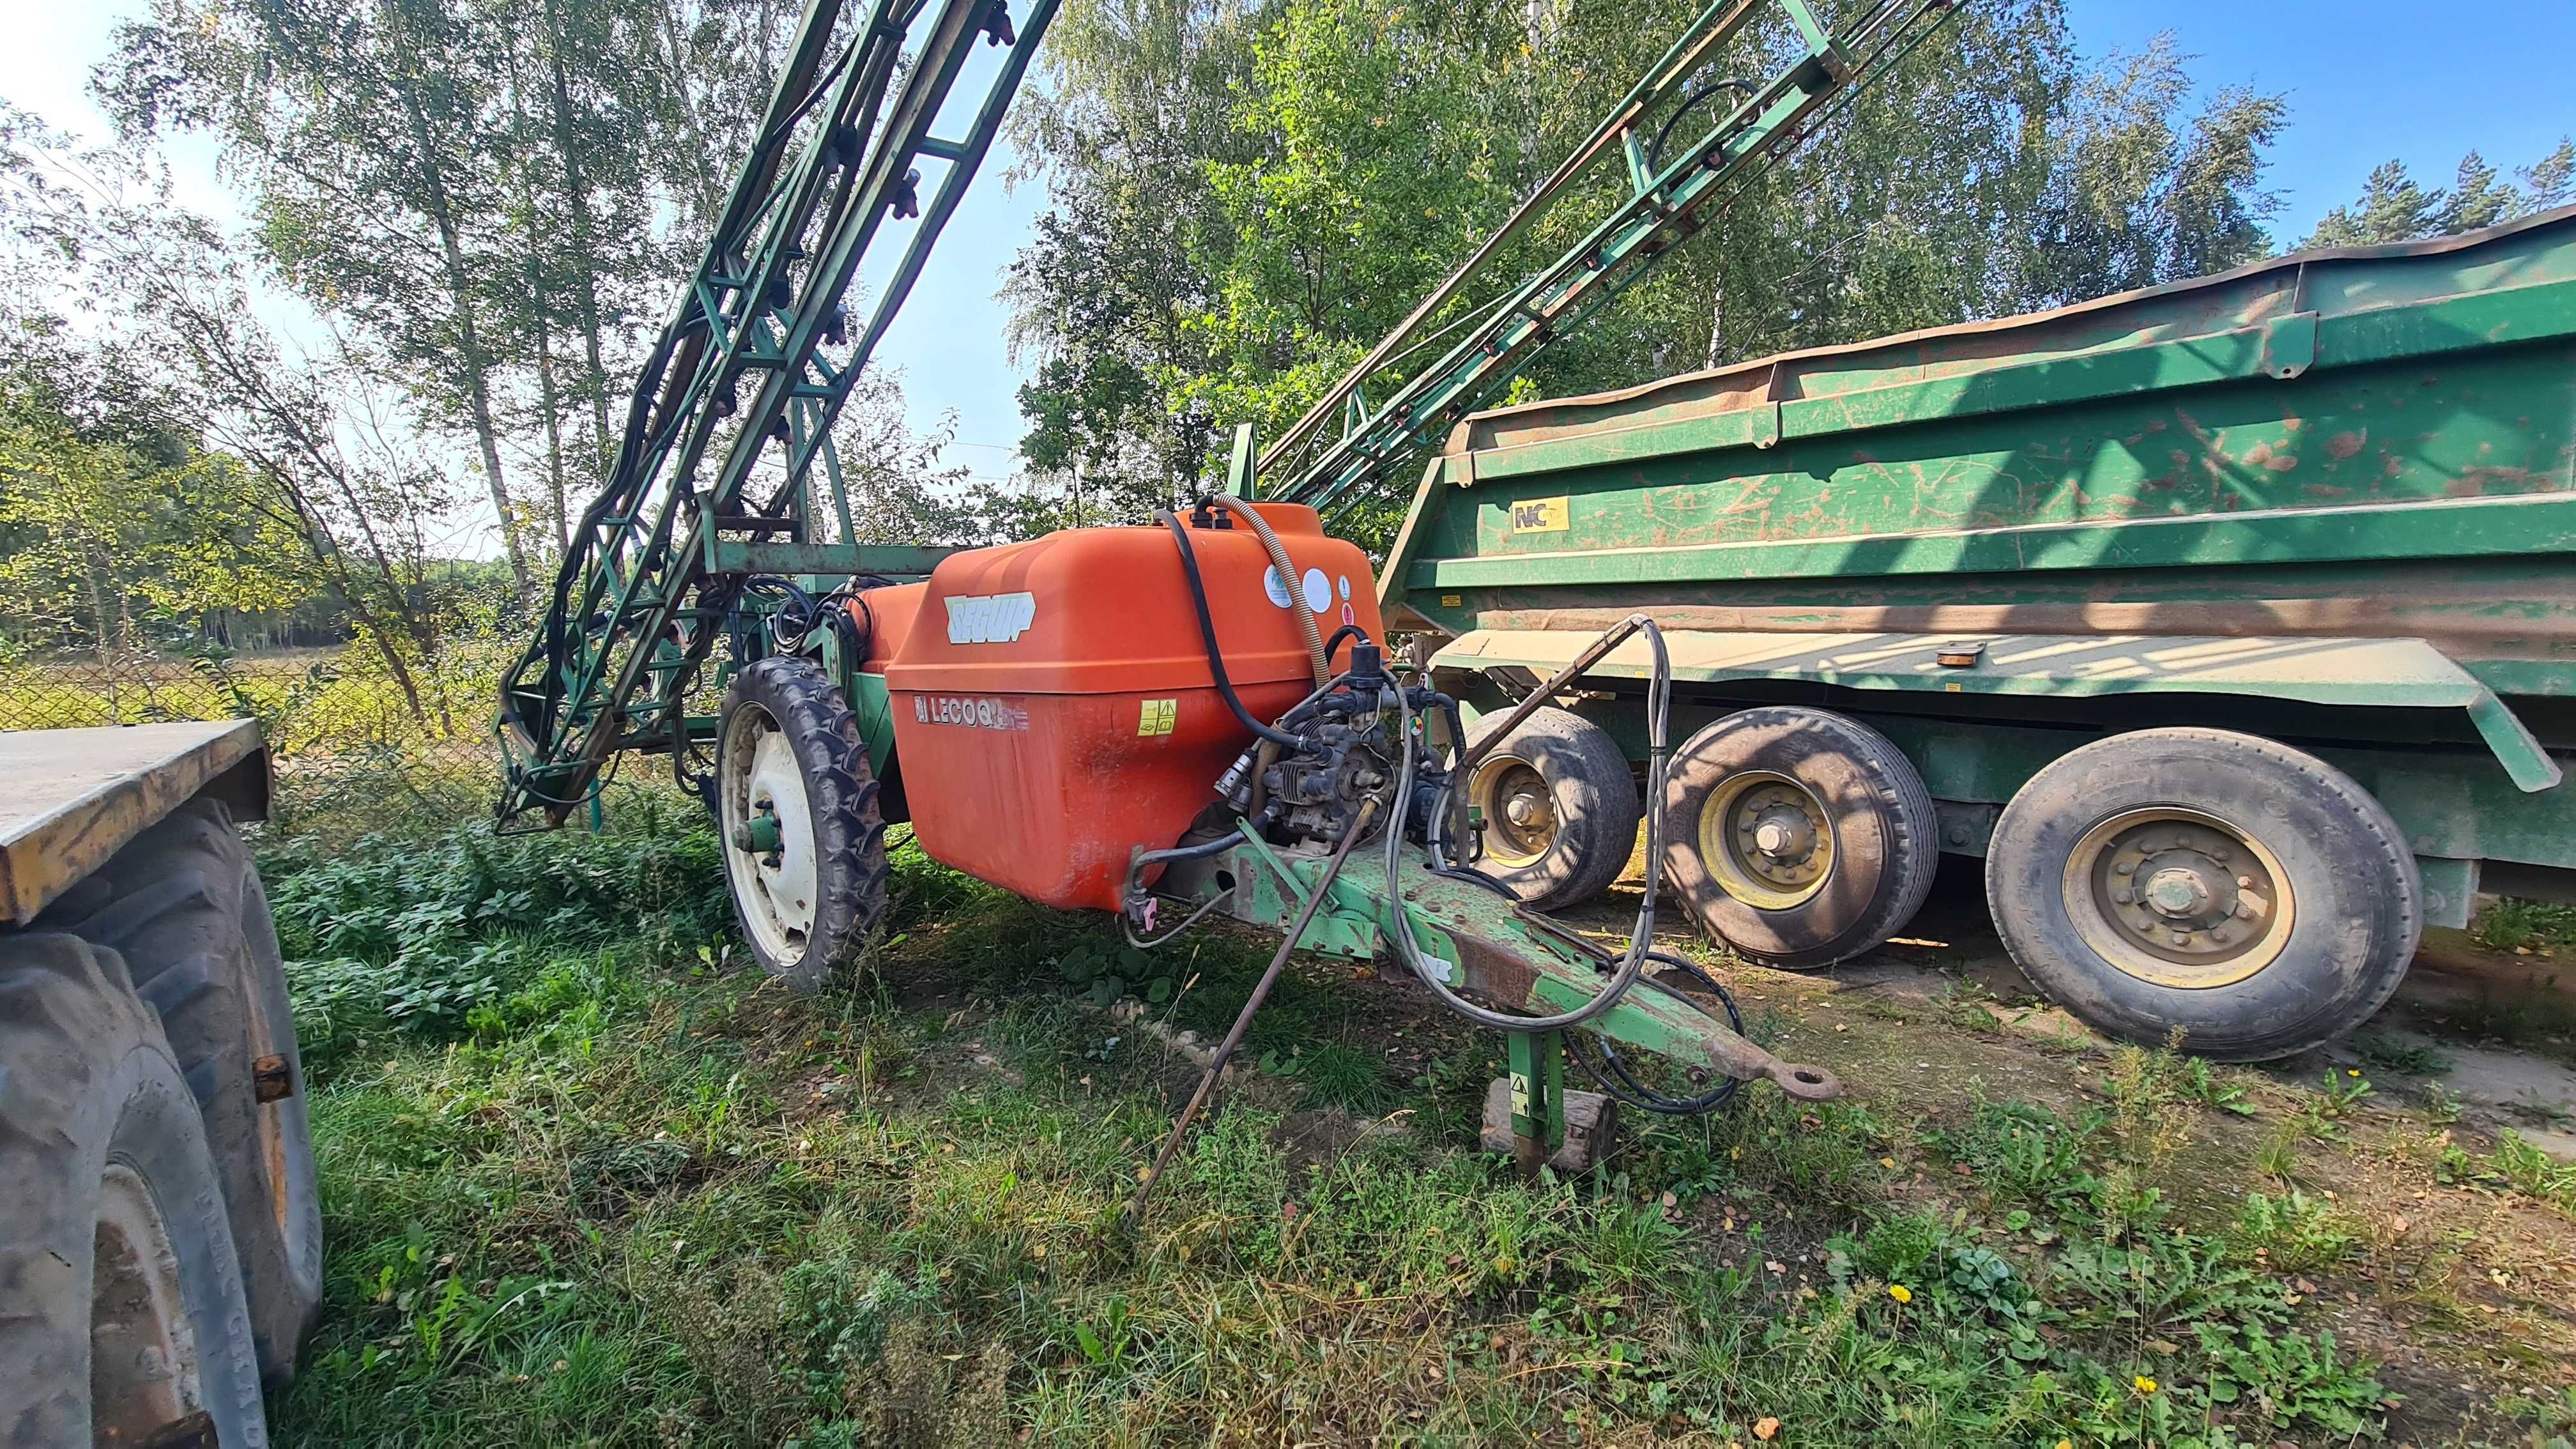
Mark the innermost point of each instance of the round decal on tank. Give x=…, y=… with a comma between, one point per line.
x=1274, y=587
x=1345, y=582
x=1319, y=591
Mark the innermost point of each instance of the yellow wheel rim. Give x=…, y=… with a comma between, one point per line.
x=1519, y=810
x=2179, y=897
x=1766, y=839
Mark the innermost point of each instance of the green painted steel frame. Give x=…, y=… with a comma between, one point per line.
x=2404, y=674
x=1491, y=945
x=2357, y=467
x=649, y=583
x=2230, y=442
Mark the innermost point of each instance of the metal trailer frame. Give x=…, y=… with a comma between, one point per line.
x=73, y=798
x=2329, y=498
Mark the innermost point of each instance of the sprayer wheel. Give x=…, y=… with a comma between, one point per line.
x=1798, y=836
x=804, y=841
x=1559, y=805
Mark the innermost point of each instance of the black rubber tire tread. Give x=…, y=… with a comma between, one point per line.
x=88, y=1081
x=2355, y=883
x=851, y=874
x=1887, y=834
x=1597, y=808
x=183, y=905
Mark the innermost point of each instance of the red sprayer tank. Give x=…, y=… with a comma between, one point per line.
x=1052, y=701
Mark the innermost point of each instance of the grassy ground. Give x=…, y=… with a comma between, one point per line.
x=587, y=1182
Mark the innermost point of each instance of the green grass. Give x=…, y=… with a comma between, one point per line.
x=587, y=1183
x=2405, y=1058
x=2512, y=923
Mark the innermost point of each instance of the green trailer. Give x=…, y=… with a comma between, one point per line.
x=2231, y=622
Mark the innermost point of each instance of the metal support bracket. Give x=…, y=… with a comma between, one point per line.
x=1491, y=948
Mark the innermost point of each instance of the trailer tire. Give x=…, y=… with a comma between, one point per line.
x=1858, y=837
x=1560, y=807
x=2245, y=894
x=183, y=906
x=116, y=1259
x=789, y=750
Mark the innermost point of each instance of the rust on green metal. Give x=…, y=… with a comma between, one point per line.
x=1493, y=949
x=2369, y=673
x=2365, y=444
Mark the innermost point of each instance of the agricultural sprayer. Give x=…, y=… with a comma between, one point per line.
x=1198, y=714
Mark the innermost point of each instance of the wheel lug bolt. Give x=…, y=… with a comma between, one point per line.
x=2123, y=867
x=2182, y=938
x=2244, y=881
x=2124, y=897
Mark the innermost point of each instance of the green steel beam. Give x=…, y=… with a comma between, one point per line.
x=2465, y=529
x=887, y=560
x=1491, y=946
x=1664, y=209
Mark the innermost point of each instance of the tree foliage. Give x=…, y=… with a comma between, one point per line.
x=2394, y=206
x=493, y=201
x=1242, y=201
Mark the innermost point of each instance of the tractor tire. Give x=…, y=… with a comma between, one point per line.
x=1559, y=805
x=1854, y=837
x=183, y=906
x=121, y=1310
x=2247, y=896
x=789, y=760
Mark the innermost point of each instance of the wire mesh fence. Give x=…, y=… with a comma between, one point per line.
x=357, y=746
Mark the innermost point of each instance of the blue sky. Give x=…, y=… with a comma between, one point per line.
x=2367, y=80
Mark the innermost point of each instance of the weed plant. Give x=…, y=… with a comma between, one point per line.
x=588, y=1181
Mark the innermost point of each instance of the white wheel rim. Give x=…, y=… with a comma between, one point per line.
x=774, y=891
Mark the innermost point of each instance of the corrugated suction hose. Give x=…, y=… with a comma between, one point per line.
x=1278, y=552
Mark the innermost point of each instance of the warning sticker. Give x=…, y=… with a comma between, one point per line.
x=1541, y=515
x=1157, y=716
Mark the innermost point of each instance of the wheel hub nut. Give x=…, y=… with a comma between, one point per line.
x=1783, y=835
x=1521, y=810
x=758, y=835
x=2177, y=891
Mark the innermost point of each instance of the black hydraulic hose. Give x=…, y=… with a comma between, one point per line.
x=1641, y=938
x=1333, y=640
x=1207, y=637
x=1201, y=851
x=1655, y=148
x=1473, y=876
x=1615, y=1078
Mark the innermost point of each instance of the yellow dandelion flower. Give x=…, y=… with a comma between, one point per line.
x=1900, y=1292
x=2145, y=1385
